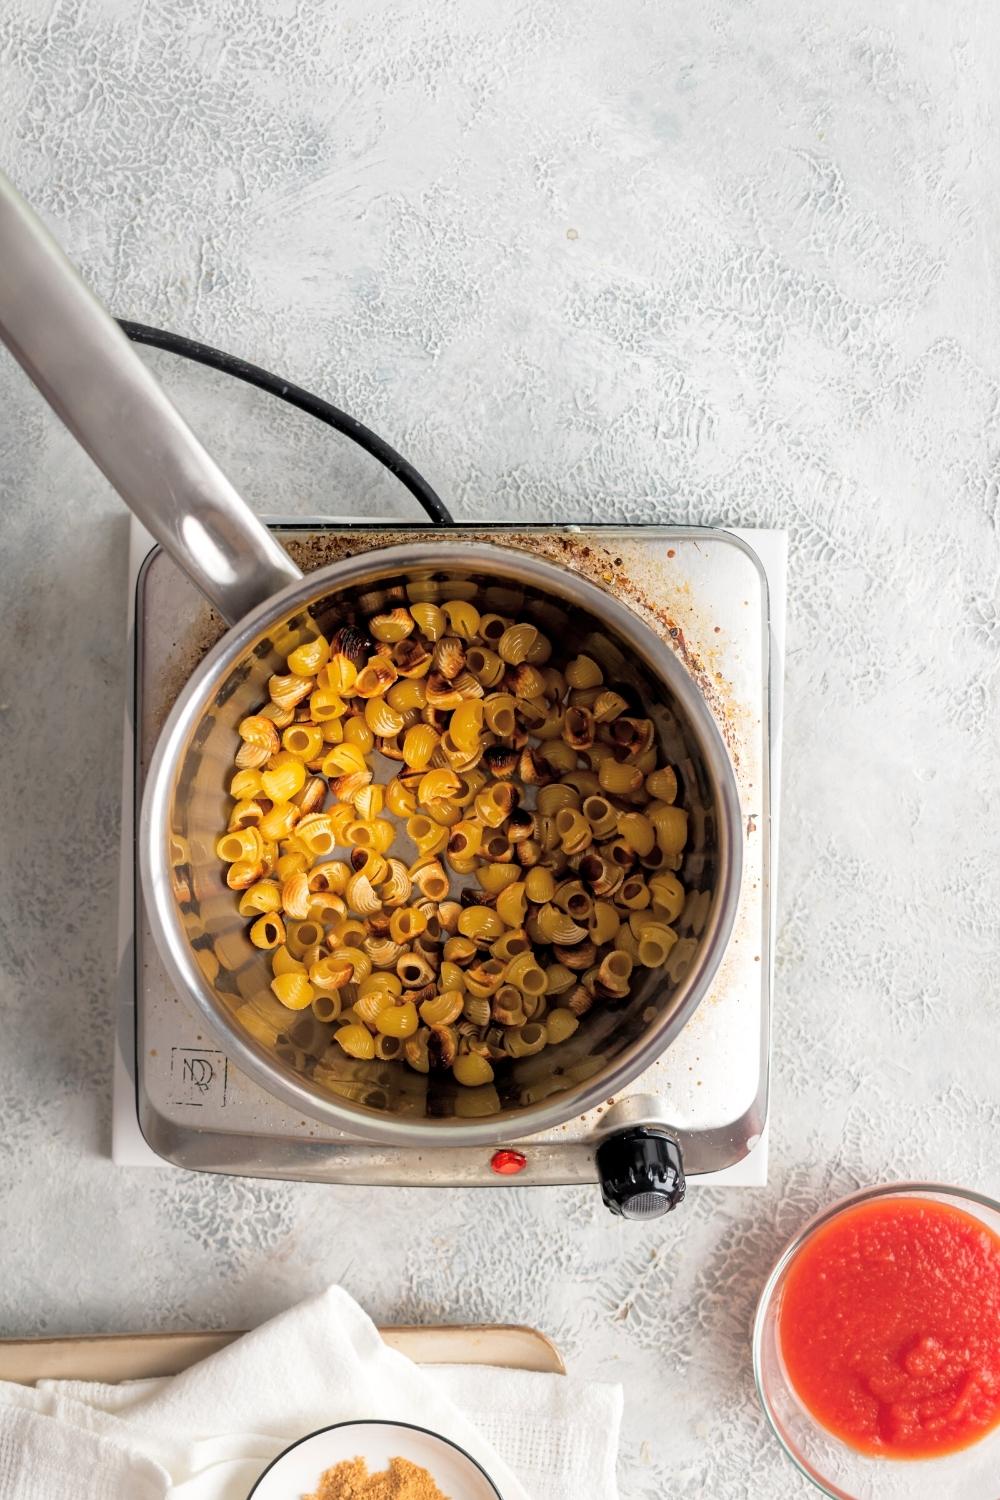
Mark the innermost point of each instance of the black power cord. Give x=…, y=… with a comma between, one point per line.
x=294, y=395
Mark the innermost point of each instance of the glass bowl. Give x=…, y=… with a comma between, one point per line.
x=972, y=1473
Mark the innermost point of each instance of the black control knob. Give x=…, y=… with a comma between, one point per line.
x=641, y=1172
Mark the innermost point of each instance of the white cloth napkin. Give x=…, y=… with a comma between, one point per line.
x=207, y=1434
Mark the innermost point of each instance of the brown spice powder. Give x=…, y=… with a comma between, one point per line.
x=400, y=1481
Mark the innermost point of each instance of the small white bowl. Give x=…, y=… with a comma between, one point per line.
x=297, y=1471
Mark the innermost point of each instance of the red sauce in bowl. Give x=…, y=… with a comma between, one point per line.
x=889, y=1327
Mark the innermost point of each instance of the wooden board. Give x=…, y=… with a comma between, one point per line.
x=114, y=1357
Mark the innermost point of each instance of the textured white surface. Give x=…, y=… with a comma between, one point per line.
x=567, y=257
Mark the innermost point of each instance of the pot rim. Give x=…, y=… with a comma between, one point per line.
x=171, y=939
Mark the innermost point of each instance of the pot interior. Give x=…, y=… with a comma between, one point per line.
x=291, y=1045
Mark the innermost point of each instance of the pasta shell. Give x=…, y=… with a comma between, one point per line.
x=312, y=796
x=621, y=854
x=361, y=895
x=383, y=720
x=579, y=956
x=525, y=681
x=416, y=1051
x=578, y=728
x=245, y=814
x=394, y=626
x=497, y=848
x=375, y=678
x=485, y=977
x=250, y=756
x=601, y=874
x=382, y=951
x=558, y=926
x=411, y=658
x=570, y=896
x=635, y=736
x=444, y=1009
x=257, y=730
x=507, y=1007
x=279, y=716
x=501, y=761
x=613, y=974
x=296, y=897
x=414, y=970
x=287, y=690
x=579, y=1000
x=442, y=692
x=346, y=788
x=520, y=825
x=476, y=1009
x=353, y=643
x=608, y=705
x=449, y=658
x=243, y=873
x=484, y=665
x=528, y=853
x=395, y=890
x=431, y=880
x=330, y=974
x=533, y=768
x=368, y=861
x=448, y=913
x=442, y=1047
x=437, y=718
x=517, y=642
x=431, y=620
x=467, y=686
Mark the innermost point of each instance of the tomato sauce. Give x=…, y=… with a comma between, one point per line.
x=889, y=1327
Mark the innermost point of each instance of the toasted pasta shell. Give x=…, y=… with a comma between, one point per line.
x=288, y=690
x=346, y=788
x=383, y=951
x=579, y=1000
x=558, y=926
x=442, y=692
x=312, y=796
x=634, y=736
x=608, y=705
x=533, y=768
x=525, y=681
x=375, y=678
x=414, y=970
x=578, y=728
x=394, y=626
x=528, y=853
x=442, y=1047
x=448, y=659
x=601, y=874
x=517, y=642
x=353, y=643
x=411, y=659
x=361, y=895
x=579, y=956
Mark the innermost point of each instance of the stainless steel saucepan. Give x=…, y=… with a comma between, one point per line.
x=83, y=364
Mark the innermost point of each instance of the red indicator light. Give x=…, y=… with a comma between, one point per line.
x=508, y=1163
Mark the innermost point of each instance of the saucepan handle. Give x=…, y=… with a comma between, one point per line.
x=87, y=370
